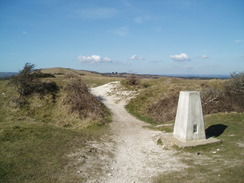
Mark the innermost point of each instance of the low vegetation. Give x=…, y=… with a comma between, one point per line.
x=132, y=80
x=222, y=102
x=222, y=162
x=43, y=118
x=46, y=114
x=157, y=103
x=82, y=102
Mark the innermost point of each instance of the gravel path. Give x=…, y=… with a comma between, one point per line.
x=137, y=157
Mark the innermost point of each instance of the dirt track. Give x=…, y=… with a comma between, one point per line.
x=137, y=157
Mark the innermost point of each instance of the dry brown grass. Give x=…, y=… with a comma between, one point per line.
x=157, y=103
x=80, y=99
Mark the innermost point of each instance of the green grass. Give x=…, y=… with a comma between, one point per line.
x=224, y=161
x=34, y=143
x=158, y=89
x=36, y=152
x=91, y=79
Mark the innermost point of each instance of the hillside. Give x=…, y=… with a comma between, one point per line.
x=92, y=79
x=157, y=99
x=57, y=137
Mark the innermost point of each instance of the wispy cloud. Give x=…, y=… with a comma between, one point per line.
x=239, y=41
x=204, y=56
x=142, y=19
x=126, y=3
x=122, y=31
x=138, y=20
x=135, y=57
x=180, y=58
x=97, y=13
x=94, y=59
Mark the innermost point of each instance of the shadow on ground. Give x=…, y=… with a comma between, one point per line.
x=100, y=98
x=215, y=130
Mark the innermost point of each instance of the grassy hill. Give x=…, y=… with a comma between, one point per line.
x=92, y=79
x=156, y=104
x=37, y=137
x=157, y=100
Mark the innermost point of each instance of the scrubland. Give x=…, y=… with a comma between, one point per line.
x=39, y=130
x=36, y=137
x=222, y=102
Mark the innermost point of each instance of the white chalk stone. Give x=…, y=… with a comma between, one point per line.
x=189, y=123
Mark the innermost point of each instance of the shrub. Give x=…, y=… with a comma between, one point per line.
x=164, y=109
x=234, y=91
x=228, y=99
x=214, y=101
x=81, y=100
x=132, y=80
x=46, y=75
x=25, y=80
x=44, y=88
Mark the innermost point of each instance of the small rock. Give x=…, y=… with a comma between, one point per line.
x=214, y=152
x=198, y=153
x=93, y=150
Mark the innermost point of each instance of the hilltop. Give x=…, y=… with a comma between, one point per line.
x=68, y=135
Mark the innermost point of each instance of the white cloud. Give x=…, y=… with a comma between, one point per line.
x=134, y=57
x=97, y=13
x=126, y=3
x=204, y=56
x=180, y=58
x=138, y=20
x=122, y=31
x=238, y=41
x=142, y=19
x=94, y=59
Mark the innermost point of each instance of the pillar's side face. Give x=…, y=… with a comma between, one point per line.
x=197, y=118
x=189, y=124
x=180, y=128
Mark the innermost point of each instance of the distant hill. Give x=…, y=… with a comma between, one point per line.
x=195, y=76
x=65, y=71
x=7, y=74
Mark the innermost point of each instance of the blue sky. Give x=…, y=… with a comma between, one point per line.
x=139, y=36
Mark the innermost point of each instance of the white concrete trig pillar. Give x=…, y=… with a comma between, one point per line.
x=189, y=123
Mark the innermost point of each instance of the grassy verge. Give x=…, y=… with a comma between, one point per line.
x=36, y=152
x=36, y=139
x=221, y=162
x=157, y=99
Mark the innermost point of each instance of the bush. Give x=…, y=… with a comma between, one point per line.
x=214, y=101
x=81, y=100
x=132, y=80
x=234, y=91
x=46, y=75
x=164, y=109
x=25, y=80
x=44, y=88
x=228, y=99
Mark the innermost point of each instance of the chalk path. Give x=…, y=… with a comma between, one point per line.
x=137, y=157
